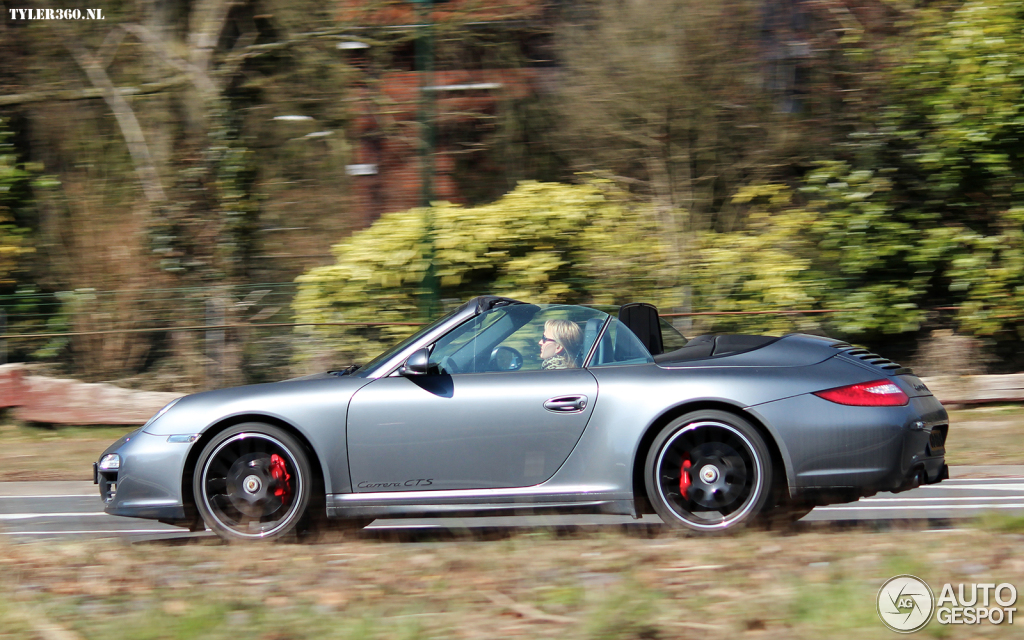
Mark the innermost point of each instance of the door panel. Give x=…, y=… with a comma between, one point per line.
x=467, y=431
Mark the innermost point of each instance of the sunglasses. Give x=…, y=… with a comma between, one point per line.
x=545, y=339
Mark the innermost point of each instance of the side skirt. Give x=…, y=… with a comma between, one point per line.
x=476, y=502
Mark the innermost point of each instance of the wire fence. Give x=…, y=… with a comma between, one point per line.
x=89, y=312
x=217, y=334
x=112, y=334
x=132, y=309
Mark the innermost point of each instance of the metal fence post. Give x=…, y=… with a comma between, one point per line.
x=214, y=342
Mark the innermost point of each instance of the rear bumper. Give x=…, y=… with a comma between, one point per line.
x=930, y=472
x=857, y=451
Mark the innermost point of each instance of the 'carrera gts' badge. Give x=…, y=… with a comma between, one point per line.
x=417, y=482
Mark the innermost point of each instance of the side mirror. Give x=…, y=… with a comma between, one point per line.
x=417, y=363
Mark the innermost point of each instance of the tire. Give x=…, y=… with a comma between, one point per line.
x=782, y=511
x=784, y=515
x=253, y=481
x=708, y=471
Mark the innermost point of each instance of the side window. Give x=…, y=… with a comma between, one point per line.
x=620, y=346
x=670, y=337
x=573, y=329
x=523, y=337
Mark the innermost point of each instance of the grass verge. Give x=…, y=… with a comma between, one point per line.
x=985, y=435
x=605, y=586
x=33, y=453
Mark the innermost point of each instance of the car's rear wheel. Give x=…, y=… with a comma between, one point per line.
x=253, y=482
x=784, y=514
x=708, y=471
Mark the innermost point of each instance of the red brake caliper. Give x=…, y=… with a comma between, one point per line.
x=684, y=478
x=280, y=473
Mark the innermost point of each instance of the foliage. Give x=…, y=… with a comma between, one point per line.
x=542, y=242
x=670, y=98
x=928, y=211
x=875, y=260
x=968, y=123
x=949, y=146
x=14, y=241
x=839, y=243
x=765, y=267
x=921, y=207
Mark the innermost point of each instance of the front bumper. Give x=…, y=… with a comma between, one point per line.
x=149, y=481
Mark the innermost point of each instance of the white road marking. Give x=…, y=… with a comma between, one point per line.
x=69, y=495
x=27, y=516
x=984, y=487
x=957, y=480
x=853, y=506
x=938, y=498
x=81, y=532
x=403, y=526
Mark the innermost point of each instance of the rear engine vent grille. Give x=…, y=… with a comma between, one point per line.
x=873, y=359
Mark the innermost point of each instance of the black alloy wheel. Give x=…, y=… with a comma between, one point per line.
x=253, y=482
x=708, y=471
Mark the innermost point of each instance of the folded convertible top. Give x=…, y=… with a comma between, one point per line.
x=710, y=346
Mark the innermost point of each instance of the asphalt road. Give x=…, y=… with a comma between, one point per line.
x=73, y=510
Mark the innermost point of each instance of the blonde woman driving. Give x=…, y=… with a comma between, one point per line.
x=560, y=344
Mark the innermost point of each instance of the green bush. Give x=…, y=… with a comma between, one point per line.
x=542, y=243
x=13, y=240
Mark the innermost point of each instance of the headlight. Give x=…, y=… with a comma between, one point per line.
x=110, y=462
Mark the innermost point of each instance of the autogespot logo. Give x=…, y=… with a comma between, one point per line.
x=905, y=603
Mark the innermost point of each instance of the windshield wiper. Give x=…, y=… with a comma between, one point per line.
x=344, y=372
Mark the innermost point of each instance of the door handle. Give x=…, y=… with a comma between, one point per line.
x=566, y=404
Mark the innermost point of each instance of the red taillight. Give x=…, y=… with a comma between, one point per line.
x=878, y=393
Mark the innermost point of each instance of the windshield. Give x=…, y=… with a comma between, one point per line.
x=369, y=366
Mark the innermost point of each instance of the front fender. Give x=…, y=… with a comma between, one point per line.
x=316, y=409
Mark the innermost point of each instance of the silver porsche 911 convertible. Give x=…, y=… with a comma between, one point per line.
x=507, y=407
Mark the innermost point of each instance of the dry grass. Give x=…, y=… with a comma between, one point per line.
x=985, y=435
x=756, y=585
x=59, y=453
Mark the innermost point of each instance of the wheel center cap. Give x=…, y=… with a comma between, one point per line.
x=709, y=474
x=252, y=484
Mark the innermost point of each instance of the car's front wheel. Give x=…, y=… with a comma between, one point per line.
x=253, y=482
x=708, y=471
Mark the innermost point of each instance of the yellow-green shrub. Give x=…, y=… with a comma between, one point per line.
x=543, y=243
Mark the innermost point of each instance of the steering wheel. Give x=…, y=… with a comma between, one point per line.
x=447, y=365
x=506, y=359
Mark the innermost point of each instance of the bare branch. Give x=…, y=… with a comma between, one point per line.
x=109, y=48
x=126, y=120
x=207, y=19
x=93, y=93
x=159, y=46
